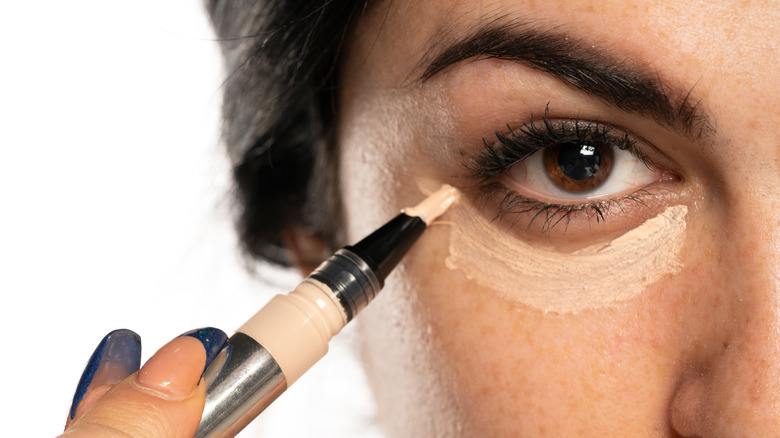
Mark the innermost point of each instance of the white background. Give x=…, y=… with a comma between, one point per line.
x=114, y=208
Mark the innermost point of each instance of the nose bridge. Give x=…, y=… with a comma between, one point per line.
x=751, y=251
x=734, y=389
x=741, y=385
x=748, y=193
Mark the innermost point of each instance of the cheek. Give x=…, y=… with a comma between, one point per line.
x=447, y=355
x=401, y=345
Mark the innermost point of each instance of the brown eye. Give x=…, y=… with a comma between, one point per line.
x=578, y=167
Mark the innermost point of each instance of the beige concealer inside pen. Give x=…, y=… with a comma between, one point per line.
x=296, y=328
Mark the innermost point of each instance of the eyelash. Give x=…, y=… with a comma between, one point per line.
x=511, y=148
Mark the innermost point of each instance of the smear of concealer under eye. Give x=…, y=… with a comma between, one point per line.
x=593, y=277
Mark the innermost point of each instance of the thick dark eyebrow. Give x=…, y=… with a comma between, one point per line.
x=622, y=84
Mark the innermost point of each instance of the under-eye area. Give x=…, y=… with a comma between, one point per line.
x=555, y=173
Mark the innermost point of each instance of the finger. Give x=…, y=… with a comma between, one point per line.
x=117, y=356
x=163, y=400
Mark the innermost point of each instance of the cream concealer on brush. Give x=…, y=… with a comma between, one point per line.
x=291, y=333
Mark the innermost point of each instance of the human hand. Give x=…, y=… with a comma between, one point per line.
x=161, y=400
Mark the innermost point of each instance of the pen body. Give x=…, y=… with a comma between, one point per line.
x=268, y=354
x=291, y=333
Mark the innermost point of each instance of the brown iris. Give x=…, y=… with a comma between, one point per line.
x=578, y=166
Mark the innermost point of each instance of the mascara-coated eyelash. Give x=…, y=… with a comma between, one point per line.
x=516, y=145
x=509, y=149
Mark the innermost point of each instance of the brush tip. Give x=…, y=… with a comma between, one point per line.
x=434, y=205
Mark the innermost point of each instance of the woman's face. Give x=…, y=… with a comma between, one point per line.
x=624, y=279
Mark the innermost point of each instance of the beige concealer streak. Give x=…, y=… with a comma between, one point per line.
x=591, y=278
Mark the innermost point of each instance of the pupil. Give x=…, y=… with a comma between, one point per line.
x=579, y=161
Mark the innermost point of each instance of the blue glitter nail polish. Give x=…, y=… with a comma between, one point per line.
x=117, y=356
x=213, y=340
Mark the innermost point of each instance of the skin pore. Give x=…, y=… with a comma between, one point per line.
x=696, y=352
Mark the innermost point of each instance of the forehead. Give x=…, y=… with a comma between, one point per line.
x=695, y=32
x=725, y=51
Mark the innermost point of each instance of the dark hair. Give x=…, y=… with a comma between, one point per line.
x=279, y=105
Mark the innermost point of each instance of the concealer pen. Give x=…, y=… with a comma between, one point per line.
x=291, y=333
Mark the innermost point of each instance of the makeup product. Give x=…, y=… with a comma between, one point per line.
x=593, y=277
x=290, y=333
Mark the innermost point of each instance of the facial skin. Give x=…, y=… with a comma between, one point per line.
x=698, y=352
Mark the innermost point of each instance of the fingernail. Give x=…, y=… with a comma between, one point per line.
x=176, y=369
x=117, y=356
x=213, y=340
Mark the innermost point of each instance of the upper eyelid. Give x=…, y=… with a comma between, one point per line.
x=514, y=145
x=568, y=129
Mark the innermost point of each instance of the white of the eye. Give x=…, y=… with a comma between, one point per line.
x=628, y=174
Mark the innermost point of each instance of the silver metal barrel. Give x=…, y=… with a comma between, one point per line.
x=241, y=382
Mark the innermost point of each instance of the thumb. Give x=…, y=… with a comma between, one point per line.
x=162, y=400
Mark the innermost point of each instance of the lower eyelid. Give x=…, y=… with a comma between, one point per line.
x=573, y=226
